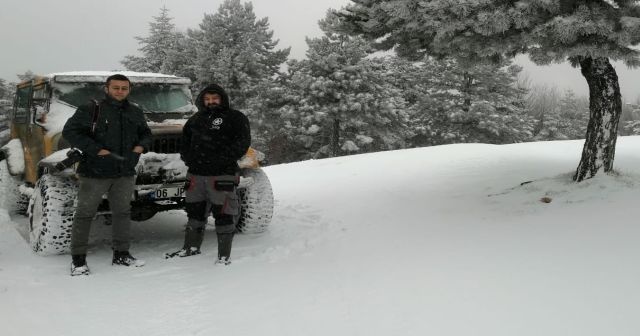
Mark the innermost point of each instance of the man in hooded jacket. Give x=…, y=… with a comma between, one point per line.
x=213, y=140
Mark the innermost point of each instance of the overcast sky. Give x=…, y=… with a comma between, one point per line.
x=47, y=36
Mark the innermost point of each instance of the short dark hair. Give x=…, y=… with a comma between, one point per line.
x=117, y=77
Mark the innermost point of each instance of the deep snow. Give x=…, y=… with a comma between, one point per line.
x=432, y=241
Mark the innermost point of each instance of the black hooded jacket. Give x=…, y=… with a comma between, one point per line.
x=214, y=139
x=119, y=128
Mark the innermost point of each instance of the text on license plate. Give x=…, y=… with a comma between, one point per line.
x=169, y=192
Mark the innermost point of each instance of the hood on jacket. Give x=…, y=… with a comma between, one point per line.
x=213, y=88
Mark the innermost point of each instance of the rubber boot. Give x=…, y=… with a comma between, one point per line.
x=192, y=242
x=193, y=238
x=224, y=248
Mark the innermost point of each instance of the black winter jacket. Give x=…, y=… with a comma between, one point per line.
x=120, y=127
x=214, y=139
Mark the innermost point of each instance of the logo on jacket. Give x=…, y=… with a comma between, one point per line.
x=215, y=124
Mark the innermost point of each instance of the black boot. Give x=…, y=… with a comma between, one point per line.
x=224, y=248
x=79, y=265
x=192, y=242
x=125, y=258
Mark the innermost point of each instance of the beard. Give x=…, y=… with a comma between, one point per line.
x=213, y=108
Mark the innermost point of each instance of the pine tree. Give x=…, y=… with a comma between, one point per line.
x=574, y=115
x=270, y=132
x=180, y=60
x=483, y=104
x=161, y=42
x=27, y=75
x=341, y=102
x=632, y=127
x=586, y=32
x=5, y=90
x=237, y=51
x=541, y=105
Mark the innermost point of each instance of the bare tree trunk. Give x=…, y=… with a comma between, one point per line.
x=335, y=138
x=605, y=106
x=466, y=89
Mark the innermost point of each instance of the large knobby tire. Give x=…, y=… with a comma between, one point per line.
x=51, y=214
x=256, y=203
x=10, y=196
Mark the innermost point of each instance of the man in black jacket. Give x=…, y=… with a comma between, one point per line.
x=111, y=135
x=213, y=140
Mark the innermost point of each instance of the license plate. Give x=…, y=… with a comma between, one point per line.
x=169, y=192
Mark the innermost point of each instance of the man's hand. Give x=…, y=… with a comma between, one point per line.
x=138, y=149
x=104, y=152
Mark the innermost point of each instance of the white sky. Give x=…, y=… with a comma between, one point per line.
x=50, y=36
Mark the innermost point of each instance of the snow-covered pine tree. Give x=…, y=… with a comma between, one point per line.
x=479, y=104
x=155, y=47
x=5, y=89
x=26, y=75
x=181, y=59
x=550, y=126
x=588, y=33
x=342, y=104
x=558, y=117
x=237, y=51
x=269, y=132
x=542, y=105
x=574, y=115
x=632, y=126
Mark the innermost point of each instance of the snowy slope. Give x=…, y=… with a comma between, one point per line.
x=432, y=241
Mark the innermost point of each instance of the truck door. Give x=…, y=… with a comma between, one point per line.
x=20, y=113
x=35, y=132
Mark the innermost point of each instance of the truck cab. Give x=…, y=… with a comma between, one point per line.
x=30, y=162
x=44, y=104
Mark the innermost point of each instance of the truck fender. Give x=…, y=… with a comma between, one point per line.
x=13, y=154
x=48, y=164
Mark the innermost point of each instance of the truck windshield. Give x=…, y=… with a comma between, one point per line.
x=151, y=97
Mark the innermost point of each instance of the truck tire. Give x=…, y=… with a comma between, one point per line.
x=10, y=196
x=51, y=214
x=256, y=203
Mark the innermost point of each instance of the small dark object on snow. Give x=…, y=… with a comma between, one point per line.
x=546, y=199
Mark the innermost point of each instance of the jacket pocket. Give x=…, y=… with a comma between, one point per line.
x=98, y=165
x=224, y=185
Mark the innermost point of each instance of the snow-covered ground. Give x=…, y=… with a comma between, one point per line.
x=432, y=241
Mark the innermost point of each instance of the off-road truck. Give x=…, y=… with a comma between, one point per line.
x=34, y=182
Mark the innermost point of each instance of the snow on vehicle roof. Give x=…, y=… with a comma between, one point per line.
x=101, y=76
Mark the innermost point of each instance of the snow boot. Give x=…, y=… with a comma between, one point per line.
x=224, y=248
x=223, y=261
x=192, y=241
x=183, y=252
x=79, y=265
x=124, y=258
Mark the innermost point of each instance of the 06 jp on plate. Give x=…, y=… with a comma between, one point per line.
x=160, y=192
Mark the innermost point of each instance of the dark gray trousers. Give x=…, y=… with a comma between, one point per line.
x=202, y=199
x=119, y=192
